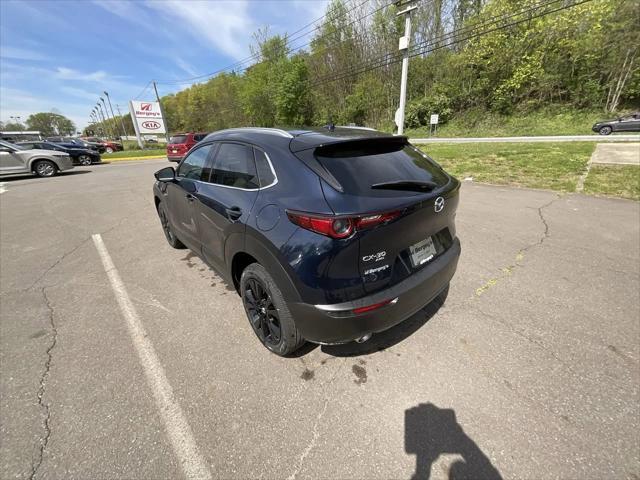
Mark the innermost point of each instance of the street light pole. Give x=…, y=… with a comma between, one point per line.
x=122, y=121
x=404, y=47
x=111, y=130
x=111, y=108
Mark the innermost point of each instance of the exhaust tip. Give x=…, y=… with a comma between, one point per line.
x=363, y=338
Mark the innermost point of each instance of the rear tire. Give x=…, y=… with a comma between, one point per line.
x=166, y=228
x=109, y=150
x=45, y=168
x=267, y=311
x=606, y=130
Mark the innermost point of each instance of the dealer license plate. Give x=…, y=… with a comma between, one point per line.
x=422, y=252
x=174, y=151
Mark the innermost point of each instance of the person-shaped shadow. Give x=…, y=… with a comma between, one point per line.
x=431, y=431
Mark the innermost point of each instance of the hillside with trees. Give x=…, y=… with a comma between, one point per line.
x=470, y=59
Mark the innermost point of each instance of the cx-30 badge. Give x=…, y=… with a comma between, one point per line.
x=439, y=204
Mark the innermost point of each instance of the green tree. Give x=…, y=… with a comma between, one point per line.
x=48, y=124
x=13, y=127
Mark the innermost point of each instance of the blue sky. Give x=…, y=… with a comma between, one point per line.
x=63, y=54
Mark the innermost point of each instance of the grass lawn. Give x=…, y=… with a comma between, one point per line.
x=556, y=121
x=555, y=166
x=159, y=152
x=615, y=180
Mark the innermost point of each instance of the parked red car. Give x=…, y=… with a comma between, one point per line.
x=180, y=143
x=109, y=145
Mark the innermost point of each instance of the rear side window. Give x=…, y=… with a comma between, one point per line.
x=358, y=166
x=234, y=167
x=178, y=139
x=265, y=174
x=199, y=136
x=193, y=166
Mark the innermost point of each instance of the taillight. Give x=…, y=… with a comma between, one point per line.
x=340, y=227
x=332, y=227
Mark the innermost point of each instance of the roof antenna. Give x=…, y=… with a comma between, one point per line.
x=330, y=126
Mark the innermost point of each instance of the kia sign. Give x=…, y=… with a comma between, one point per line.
x=147, y=117
x=151, y=125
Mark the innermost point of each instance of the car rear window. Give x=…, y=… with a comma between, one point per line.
x=178, y=139
x=358, y=165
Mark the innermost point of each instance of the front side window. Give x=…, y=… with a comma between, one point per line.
x=234, y=167
x=193, y=166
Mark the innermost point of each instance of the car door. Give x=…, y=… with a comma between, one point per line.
x=630, y=123
x=227, y=199
x=183, y=194
x=11, y=161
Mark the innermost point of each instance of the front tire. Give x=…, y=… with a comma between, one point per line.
x=267, y=311
x=166, y=228
x=109, y=150
x=45, y=168
x=606, y=130
x=84, y=160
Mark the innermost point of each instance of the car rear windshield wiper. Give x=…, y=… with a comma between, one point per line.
x=405, y=185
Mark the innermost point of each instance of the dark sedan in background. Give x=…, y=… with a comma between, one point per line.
x=79, y=156
x=78, y=142
x=628, y=123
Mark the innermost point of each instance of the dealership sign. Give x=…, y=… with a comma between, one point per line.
x=147, y=117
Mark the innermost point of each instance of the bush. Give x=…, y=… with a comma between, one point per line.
x=419, y=112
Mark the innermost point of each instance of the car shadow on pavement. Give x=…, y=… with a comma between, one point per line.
x=430, y=431
x=29, y=176
x=388, y=338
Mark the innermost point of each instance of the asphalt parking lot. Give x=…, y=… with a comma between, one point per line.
x=530, y=368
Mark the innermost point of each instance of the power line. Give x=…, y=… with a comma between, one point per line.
x=389, y=59
x=143, y=90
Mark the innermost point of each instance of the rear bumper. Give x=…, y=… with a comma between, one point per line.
x=175, y=158
x=319, y=324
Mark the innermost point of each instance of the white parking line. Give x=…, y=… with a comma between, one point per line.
x=175, y=422
x=2, y=189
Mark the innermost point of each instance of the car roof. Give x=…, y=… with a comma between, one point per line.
x=299, y=138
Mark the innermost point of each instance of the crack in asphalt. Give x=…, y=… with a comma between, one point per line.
x=41, y=391
x=315, y=431
x=508, y=270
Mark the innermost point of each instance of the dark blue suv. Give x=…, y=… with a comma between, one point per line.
x=328, y=235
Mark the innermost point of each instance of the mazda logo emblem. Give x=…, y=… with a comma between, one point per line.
x=438, y=204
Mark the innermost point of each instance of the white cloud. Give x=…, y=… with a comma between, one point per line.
x=20, y=53
x=226, y=25
x=180, y=62
x=65, y=73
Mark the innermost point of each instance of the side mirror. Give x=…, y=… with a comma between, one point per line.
x=5, y=149
x=166, y=174
x=619, y=119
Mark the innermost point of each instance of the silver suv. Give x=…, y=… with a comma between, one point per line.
x=15, y=159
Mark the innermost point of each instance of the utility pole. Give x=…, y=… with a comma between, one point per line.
x=404, y=47
x=111, y=108
x=164, y=118
x=122, y=121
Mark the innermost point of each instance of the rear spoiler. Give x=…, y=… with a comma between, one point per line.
x=311, y=141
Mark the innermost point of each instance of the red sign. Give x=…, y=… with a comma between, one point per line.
x=151, y=125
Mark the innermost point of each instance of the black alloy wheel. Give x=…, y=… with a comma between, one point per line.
x=262, y=312
x=166, y=228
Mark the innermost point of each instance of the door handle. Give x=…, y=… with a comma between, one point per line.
x=190, y=197
x=234, y=212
